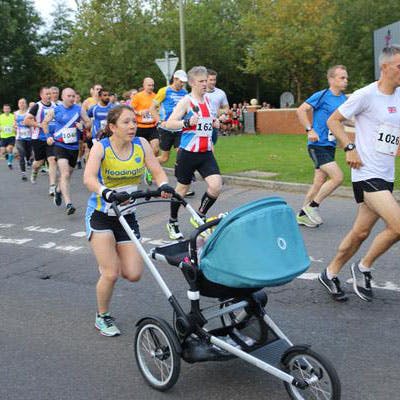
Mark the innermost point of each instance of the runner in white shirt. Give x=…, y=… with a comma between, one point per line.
x=218, y=100
x=376, y=109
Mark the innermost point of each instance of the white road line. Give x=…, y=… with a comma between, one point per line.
x=14, y=241
x=79, y=234
x=6, y=225
x=43, y=230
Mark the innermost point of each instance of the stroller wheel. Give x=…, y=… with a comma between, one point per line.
x=157, y=353
x=306, y=365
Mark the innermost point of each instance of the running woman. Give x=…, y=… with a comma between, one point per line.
x=115, y=166
x=65, y=138
x=7, y=134
x=24, y=137
x=194, y=116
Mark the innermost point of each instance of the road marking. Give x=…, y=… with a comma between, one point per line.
x=79, y=234
x=43, y=230
x=68, y=248
x=6, y=225
x=48, y=245
x=14, y=241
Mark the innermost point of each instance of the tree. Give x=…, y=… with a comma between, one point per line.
x=18, y=29
x=293, y=42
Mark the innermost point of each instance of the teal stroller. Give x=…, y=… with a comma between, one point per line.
x=256, y=246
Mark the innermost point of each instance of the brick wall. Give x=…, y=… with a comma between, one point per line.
x=283, y=120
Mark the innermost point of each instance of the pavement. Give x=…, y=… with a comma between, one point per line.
x=51, y=351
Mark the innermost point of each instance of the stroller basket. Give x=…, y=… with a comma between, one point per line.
x=256, y=245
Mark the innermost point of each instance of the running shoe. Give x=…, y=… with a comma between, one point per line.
x=190, y=193
x=105, y=324
x=148, y=177
x=304, y=220
x=44, y=170
x=57, y=198
x=34, y=177
x=313, y=214
x=362, y=283
x=79, y=164
x=52, y=190
x=332, y=286
x=23, y=177
x=10, y=166
x=195, y=224
x=70, y=209
x=174, y=232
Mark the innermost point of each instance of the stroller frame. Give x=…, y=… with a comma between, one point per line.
x=189, y=334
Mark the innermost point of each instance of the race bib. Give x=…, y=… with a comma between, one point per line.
x=7, y=129
x=69, y=135
x=331, y=136
x=147, y=118
x=24, y=132
x=204, y=127
x=387, y=140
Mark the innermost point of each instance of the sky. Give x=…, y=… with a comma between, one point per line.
x=46, y=6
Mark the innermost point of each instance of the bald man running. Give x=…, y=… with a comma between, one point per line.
x=65, y=139
x=142, y=104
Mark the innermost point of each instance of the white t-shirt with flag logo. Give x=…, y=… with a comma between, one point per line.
x=377, y=123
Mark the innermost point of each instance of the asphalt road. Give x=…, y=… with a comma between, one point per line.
x=51, y=351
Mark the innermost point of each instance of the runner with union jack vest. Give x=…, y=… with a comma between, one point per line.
x=193, y=115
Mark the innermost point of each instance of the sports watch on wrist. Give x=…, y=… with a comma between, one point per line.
x=308, y=128
x=349, y=147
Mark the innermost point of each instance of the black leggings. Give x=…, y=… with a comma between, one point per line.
x=24, y=148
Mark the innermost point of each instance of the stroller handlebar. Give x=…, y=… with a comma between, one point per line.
x=146, y=195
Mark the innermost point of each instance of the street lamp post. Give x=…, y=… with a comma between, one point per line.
x=182, y=35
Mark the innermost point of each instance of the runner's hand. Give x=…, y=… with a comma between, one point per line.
x=166, y=191
x=111, y=195
x=353, y=159
x=313, y=136
x=50, y=141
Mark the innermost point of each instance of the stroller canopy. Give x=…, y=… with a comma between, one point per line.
x=256, y=245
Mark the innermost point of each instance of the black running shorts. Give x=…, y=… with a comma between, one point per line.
x=169, y=139
x=97, y=221
x=187, y=162
x=70, y=155
x=370, y=185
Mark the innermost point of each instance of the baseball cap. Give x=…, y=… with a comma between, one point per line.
x=181, y=74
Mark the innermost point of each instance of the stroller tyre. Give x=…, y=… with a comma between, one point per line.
x=304, y=364
x=157, y=353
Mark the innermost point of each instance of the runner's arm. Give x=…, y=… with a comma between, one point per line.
x=47, y=119
x=86, y=120
x=29, y=119
x=335, y=124
x=175, y=120
x=302, y=115
x=90, y=176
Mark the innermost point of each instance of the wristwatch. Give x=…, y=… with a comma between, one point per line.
x=349, y=147
x=308, y=128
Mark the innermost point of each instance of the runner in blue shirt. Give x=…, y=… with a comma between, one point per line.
x=65, y=139
x=322, y=144
x=99, y=113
